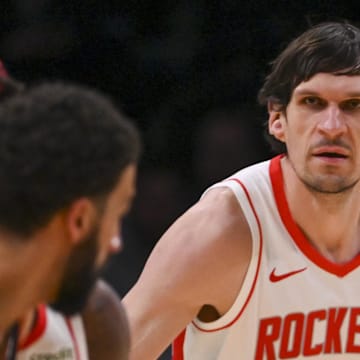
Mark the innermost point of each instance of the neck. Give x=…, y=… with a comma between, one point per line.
x=331, y=222
x=14, y=302
x=22, y=285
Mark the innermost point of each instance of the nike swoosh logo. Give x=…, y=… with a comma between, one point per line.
x=275, y=277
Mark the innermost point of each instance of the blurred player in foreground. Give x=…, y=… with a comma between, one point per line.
x=67, y=172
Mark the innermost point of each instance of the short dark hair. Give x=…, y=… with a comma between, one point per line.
x=59, y=142
x=330, y=47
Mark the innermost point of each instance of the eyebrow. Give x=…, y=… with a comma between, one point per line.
x=304, y=91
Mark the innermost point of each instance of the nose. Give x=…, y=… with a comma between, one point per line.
x=332, y=122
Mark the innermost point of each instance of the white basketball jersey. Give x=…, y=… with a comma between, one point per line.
x=54, y=336
x=294, y=303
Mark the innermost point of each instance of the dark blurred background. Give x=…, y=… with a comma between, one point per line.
x=186, y=71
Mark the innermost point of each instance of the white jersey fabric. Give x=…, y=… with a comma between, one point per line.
x=54, y=337
x=294, y=303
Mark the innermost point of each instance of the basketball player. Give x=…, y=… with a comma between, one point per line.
x=99, y=332
x=266, y=264
x=67, y=171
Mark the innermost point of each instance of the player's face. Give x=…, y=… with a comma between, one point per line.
x=322, y=132
x=88, y=258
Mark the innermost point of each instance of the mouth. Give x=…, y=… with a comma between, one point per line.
x=332, y=155
x=331, y=152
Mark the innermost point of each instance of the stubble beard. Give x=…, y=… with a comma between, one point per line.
x=327, y=184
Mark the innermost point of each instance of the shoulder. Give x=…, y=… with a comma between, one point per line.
x=211, y=240
x=218, y=217
x=106, y=325
x=201, y=260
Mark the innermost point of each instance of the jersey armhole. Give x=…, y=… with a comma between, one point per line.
x=233, y=314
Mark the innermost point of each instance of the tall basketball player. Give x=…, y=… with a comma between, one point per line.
x=266, y=265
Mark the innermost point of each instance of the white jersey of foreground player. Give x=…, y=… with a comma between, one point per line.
x=54, y=337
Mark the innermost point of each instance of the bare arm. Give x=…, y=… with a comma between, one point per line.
x=106, y=325
x=201, y=260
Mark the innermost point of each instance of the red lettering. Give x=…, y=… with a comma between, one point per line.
x=295, y=321
x=310, y=349
x=333, y=336
x=354, y=329
x=269, y=331
x=325, y=331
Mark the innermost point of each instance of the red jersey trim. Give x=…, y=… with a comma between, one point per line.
x=178, y=346
x=257, y=266
x=296, y=233
x=38, y=328
x=73, y=337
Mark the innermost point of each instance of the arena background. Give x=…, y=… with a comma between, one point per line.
x=186, y=71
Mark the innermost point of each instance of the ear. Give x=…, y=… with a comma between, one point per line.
x=81, y=217
x=276, y=123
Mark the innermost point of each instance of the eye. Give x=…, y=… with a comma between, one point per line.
x=312, y=101
x=352, y=104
